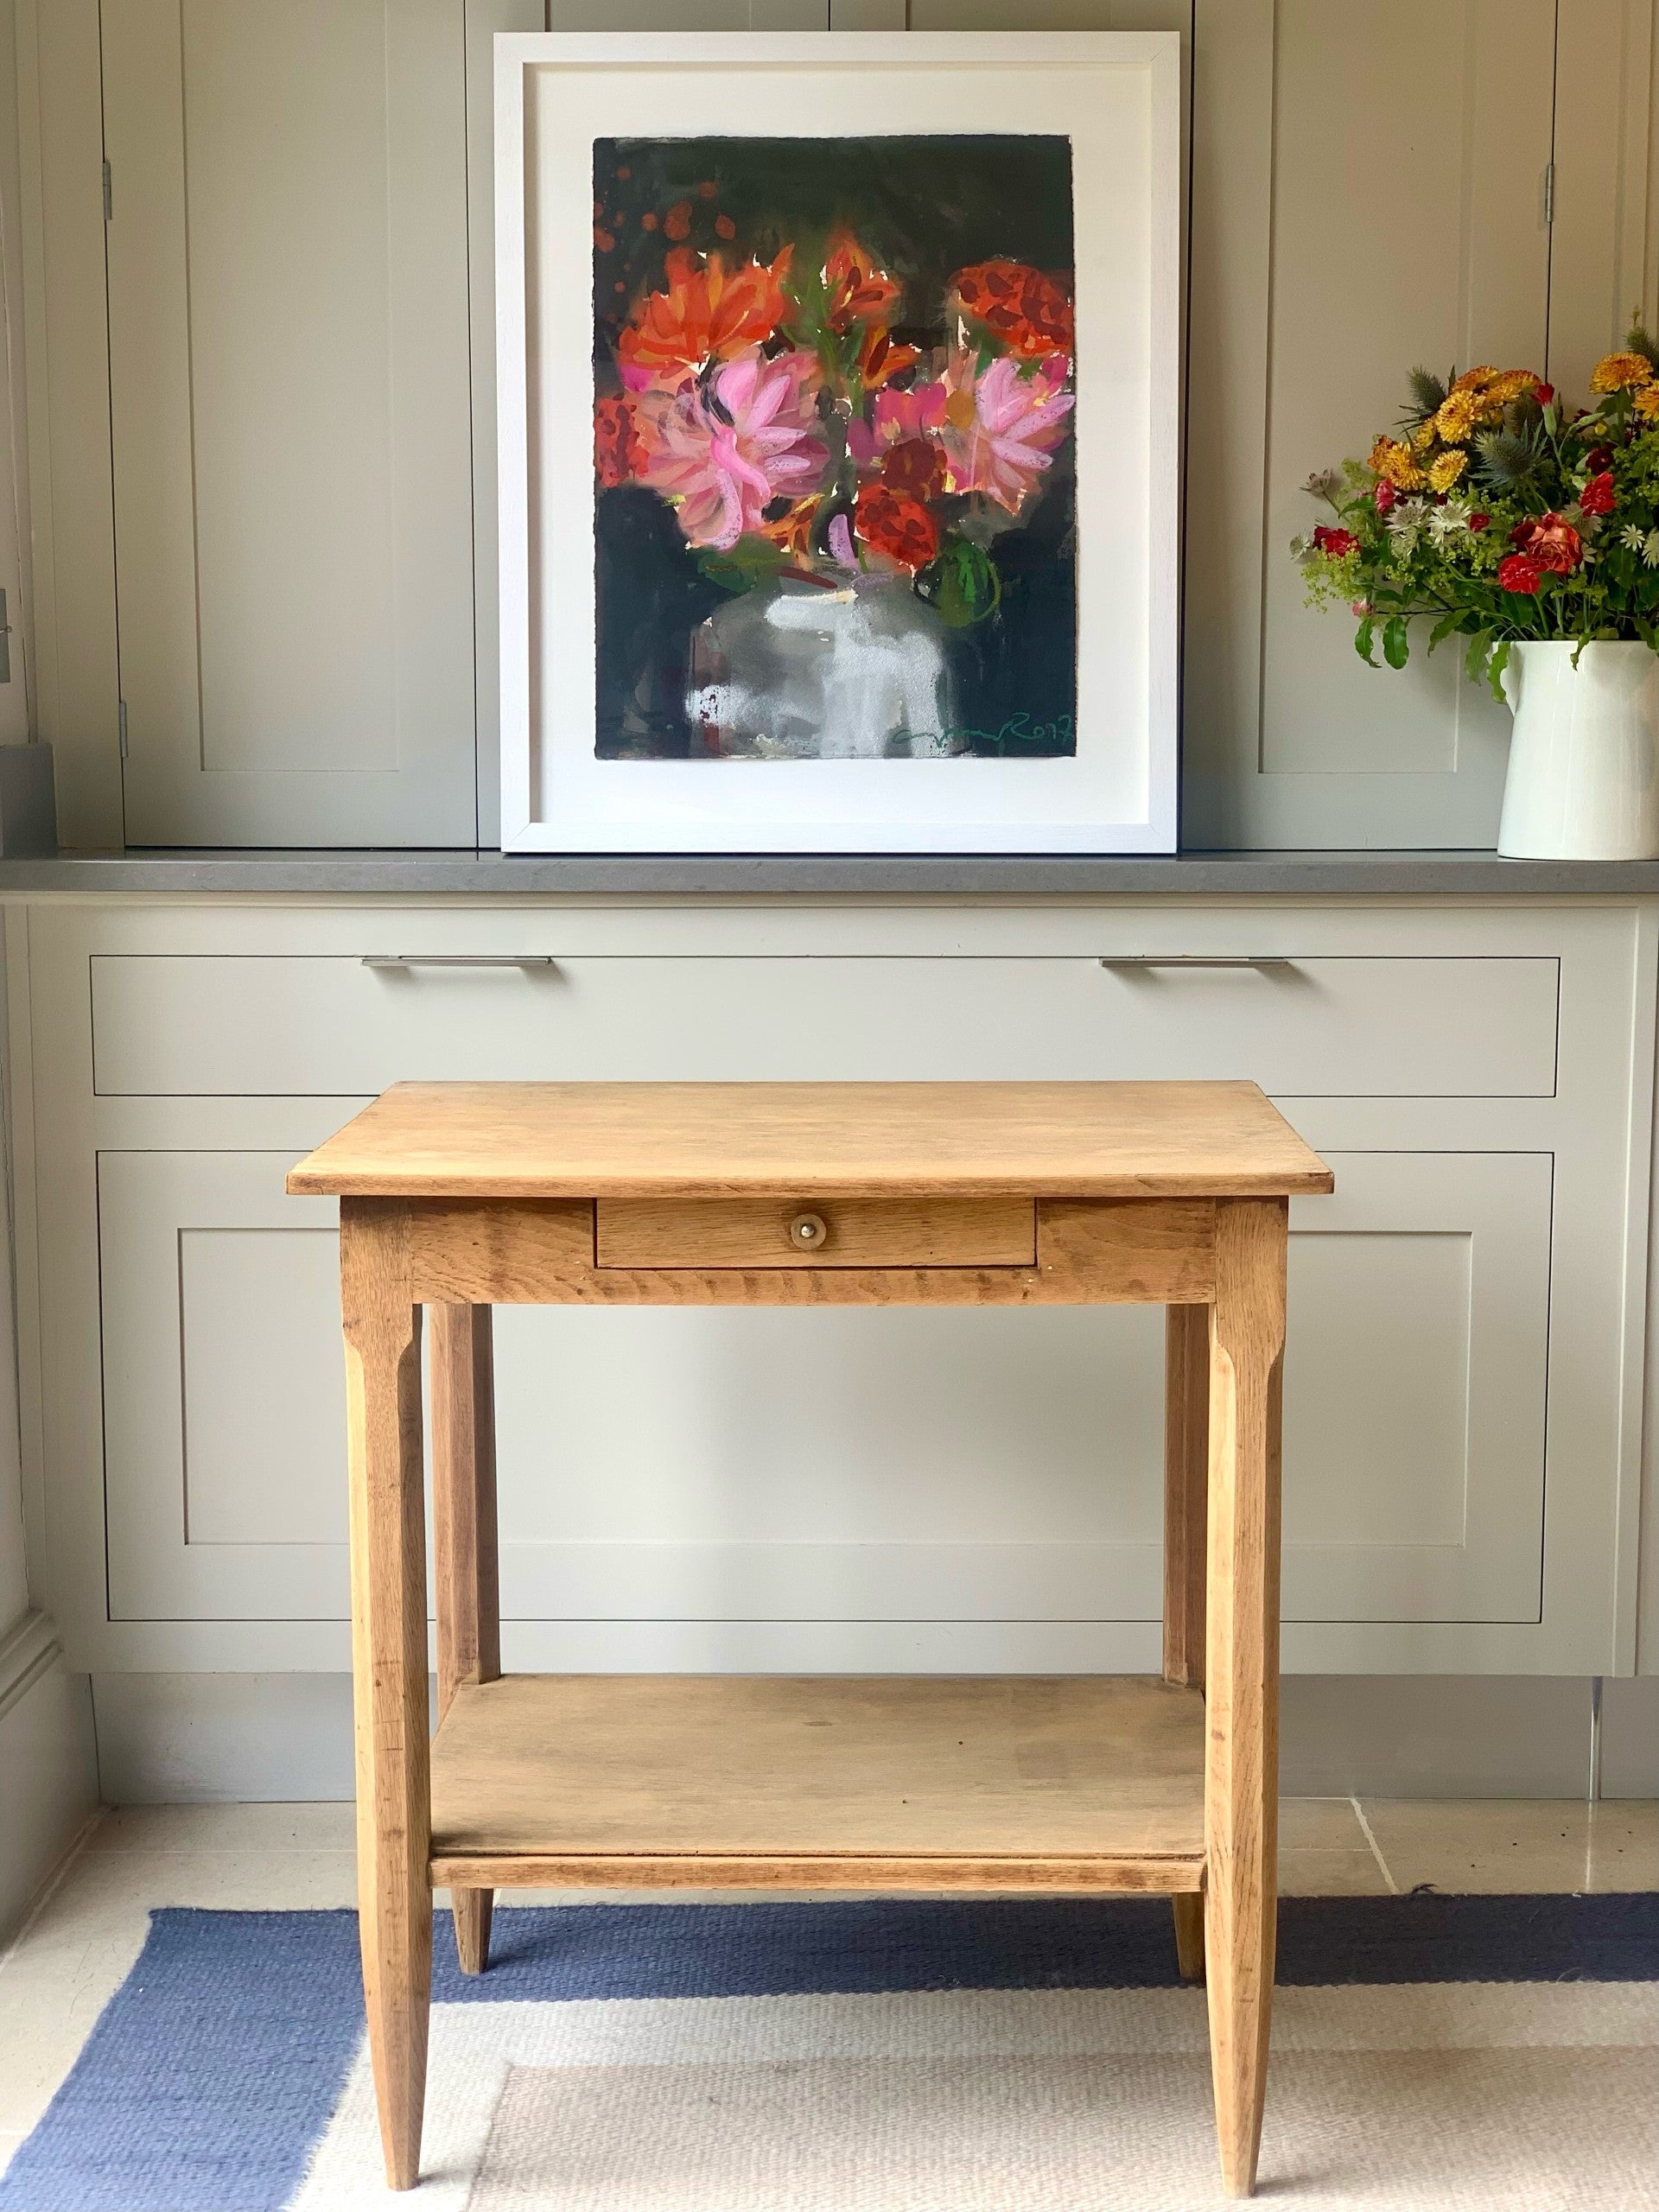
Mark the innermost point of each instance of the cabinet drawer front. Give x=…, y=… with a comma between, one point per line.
x=206, y=1024
x=817, y=1233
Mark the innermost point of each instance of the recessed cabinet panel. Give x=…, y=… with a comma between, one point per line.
x=290, y=403
x=974, y=1465
x=215, y=1026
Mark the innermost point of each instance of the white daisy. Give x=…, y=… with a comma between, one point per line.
x=1634, y=535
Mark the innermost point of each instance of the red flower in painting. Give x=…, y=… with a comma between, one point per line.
x=1519, y=572
x=857, y=289
x=708, y=314
x=619, y=450
x=1551, y=540
x=1597, y=497
x=1334, y=543
x=894, y=524
x=1029, y=312
x=915, y=466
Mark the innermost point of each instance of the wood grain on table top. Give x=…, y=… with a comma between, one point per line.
x=810, y=1139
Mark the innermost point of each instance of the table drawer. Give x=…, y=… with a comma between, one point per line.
x=876, y=1232
x=229, y=1025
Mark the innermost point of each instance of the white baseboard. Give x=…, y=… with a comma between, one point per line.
x=217, y=1738
x=48, y=1757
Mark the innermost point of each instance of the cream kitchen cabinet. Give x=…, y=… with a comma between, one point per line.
x=267, y=381
x=714, y=1489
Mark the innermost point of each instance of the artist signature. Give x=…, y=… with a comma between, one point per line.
x=1058, y=736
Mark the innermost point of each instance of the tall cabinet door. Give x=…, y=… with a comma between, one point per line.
x=1343, y=229
x=289, y=387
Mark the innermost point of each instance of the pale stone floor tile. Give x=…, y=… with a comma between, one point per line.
x=1320, y=1824
x=226, y=1827
x=1514, y=1844
x=1352, y=1872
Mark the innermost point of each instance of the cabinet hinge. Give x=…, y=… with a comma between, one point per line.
x=1549, y=194
x=108, y=204
x=121, y=723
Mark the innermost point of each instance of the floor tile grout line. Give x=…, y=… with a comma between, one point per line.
x=1377, y=1848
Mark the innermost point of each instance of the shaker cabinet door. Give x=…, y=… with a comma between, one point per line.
x=1335, y=244
x=834, y=1468
x=291, y=419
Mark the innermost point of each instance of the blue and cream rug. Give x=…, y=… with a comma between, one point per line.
x=1430, y=2052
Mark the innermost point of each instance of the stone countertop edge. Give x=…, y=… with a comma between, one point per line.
x=467, y=875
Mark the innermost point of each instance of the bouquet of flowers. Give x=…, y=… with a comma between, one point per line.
x=778, y=408
x=1492, y=512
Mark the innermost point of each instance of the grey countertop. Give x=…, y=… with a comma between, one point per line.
x=473, y=874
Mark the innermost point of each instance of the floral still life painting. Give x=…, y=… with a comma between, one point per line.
x=834, y=424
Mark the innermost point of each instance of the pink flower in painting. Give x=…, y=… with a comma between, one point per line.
x=1001, y=429
x=724, y=452
x=897, y=417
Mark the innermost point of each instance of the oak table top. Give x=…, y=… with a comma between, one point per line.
x=815, y=1140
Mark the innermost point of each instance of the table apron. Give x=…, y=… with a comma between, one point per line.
x=1154, y=1251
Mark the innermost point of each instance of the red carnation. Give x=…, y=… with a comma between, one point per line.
x=1544, y=394
x=1480, y=522
x=1334, y=543
x=1386, y=496
x=1597, y=497
x=1551, y=540
x=1601, y=457
x=897, y=525
x=1519, y=572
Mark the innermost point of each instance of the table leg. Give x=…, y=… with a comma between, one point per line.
x=1247, y=1334
x=464, y=1545
x=1187, y=1490
x=382, y=1402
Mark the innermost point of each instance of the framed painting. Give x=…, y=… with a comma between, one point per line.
x=839, y=413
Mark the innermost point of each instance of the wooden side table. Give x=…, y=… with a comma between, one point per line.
x=461, y=1196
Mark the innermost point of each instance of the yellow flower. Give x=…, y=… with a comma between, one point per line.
x=1474, y=379
x=1647, y=402
x=1393, y=462
x=1513, y=383
x=1622, y=373
x=1423, y=436
x=1458, y=418
x=1446, y=468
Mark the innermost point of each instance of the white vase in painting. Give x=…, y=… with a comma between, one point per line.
x=853, y=670
x=1583, y=782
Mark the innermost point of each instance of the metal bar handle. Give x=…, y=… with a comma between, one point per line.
x=1261, y=959
x=459, y=960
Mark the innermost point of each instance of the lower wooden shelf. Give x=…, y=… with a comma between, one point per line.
x=843, y=1782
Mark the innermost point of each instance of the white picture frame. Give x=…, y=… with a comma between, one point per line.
x=1117, y=97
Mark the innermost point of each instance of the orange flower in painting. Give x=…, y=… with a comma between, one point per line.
x=708, y=314
x=858, y=290
x=879, y=358
x=1030, y=313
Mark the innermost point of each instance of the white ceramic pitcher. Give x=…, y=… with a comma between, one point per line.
x=1583, y=782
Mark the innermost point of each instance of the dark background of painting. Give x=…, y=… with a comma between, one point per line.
x=924, y=208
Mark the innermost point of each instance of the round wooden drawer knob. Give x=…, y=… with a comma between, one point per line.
x=808, y=1232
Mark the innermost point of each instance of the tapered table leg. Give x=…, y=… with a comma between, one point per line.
x=464, y=1545
x=1186, y=1488
x=1247, y=1335
x=382, y=1402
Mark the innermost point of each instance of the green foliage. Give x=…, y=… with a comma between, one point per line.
x=1427, y=394
x=1639, y=342
x=1508, y=460
x=962, y=585
x=751, y=560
